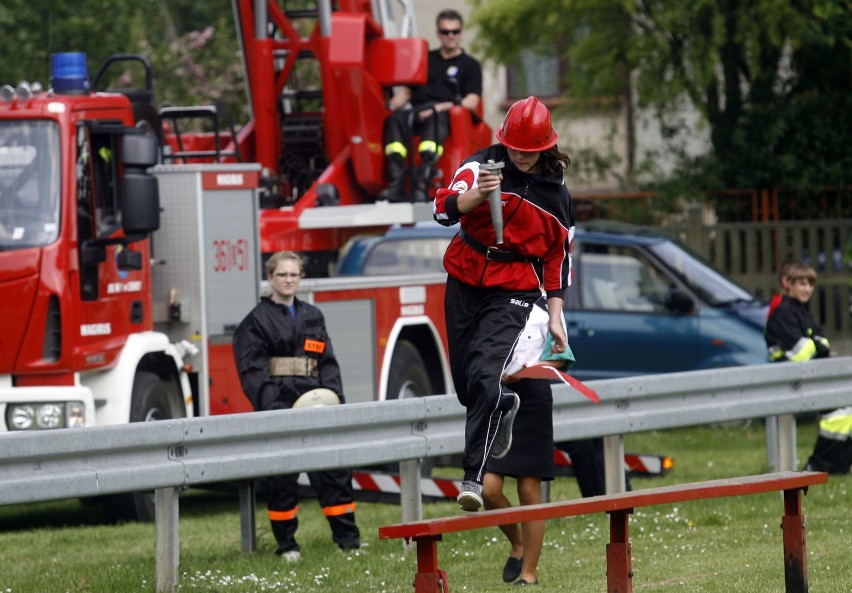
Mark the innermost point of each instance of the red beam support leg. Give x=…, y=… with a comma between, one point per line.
x=619, y=564
x=795, y=552
x=429, y=578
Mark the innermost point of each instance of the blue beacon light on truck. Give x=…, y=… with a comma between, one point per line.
x=69, y=74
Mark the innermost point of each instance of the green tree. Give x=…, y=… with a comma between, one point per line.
x=770, y=78
x=32, y=30
x=191, y=45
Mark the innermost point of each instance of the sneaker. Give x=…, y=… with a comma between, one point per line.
x=291, y=556
x=509, y=404
x=512, y=569
x=470, y=497
x=523, y=582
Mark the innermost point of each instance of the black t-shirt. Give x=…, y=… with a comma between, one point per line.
x=440, y=86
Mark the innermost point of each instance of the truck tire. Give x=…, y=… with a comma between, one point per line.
x=408, y=376
x=150, y=402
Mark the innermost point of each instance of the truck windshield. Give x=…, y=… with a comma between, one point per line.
x=714, y=288
x=29, y=184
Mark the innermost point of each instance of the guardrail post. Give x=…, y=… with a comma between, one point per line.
x=248, y=529
x=410, y=493
x=545, y=490
x=787, y=442
x=772, y=443
x=614, y=464
x=166, y=514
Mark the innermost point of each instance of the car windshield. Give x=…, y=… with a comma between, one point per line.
x=711, y=286
x=29, y=184
x=421, y=255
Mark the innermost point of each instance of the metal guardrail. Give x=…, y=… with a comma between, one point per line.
x=169, y=455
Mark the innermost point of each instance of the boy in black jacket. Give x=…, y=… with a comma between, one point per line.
x=792, y=334
x=791, y=331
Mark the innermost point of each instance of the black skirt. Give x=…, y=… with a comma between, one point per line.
x=532, y=434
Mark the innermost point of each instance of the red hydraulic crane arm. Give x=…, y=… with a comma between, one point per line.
x=258, y=19
x=357, y=64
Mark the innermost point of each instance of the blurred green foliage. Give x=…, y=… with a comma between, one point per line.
x=192, y=45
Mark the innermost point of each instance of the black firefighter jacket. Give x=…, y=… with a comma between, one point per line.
x=270, y=331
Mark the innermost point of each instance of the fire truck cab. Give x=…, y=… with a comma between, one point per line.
x=76, y=207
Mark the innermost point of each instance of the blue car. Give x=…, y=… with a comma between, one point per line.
x=643, y=304
x=640, y=303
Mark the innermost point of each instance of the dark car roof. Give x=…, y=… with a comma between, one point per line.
x=600, y=229
x=356, y=254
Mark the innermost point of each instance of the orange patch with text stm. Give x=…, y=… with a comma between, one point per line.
x=314, y=346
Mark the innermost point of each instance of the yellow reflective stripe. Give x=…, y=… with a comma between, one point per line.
x=430, y=146
x=805, y=349
x=340, y=509
x=837, y=425
x=396, y=148
x=283, y=515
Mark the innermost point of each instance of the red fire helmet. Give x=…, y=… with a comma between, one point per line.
x=527, y=127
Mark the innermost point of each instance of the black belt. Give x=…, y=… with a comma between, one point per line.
x=494, y=254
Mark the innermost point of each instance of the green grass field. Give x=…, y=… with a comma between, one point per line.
x=727, y=545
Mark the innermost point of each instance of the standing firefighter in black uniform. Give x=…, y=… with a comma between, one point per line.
x=454, y=78
x=282, y=351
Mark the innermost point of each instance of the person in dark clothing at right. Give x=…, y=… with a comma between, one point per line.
x=454, y=78
x=833, y=448
x=587, y=463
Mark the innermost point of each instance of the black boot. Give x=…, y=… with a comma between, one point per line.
x=395, y=172
x=425, y=174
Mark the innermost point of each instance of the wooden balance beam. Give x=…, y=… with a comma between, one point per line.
x=427, y=534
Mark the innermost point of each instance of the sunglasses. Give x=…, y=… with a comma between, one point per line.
x=450, y=31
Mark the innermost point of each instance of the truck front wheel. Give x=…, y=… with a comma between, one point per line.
x=150, y=402
x=408, y=376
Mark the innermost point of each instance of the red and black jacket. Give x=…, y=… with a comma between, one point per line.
x=538, y=224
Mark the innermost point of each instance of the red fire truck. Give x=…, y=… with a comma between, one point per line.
x=121, y=279
x=318, y=85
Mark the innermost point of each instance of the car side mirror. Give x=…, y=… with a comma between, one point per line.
x=678, y=301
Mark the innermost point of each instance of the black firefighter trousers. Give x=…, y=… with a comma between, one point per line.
x=483, y=325
x=334, y=489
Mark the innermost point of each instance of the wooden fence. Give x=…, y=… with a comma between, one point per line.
x=751, y=253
